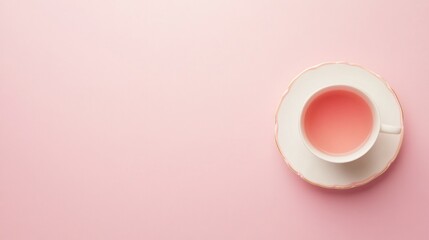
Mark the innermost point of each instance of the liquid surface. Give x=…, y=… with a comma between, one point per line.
x=338, y=122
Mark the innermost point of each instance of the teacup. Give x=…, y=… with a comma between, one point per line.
x=341, y=123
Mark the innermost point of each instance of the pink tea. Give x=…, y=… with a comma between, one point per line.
x=338, y=121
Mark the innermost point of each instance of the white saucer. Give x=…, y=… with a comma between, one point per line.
x=333, y=175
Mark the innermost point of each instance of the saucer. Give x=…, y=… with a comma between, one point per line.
x=334, y=175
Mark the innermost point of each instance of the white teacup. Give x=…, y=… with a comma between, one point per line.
x=340, y=123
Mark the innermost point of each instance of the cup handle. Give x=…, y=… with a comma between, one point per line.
x=385, y=128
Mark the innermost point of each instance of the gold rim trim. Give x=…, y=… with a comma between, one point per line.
x=353, y=184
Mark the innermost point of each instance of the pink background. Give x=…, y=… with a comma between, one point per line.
x=126, y=119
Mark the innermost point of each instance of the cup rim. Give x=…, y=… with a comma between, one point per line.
x=353, y=154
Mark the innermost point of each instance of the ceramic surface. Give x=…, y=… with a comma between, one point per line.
x=327, y=174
